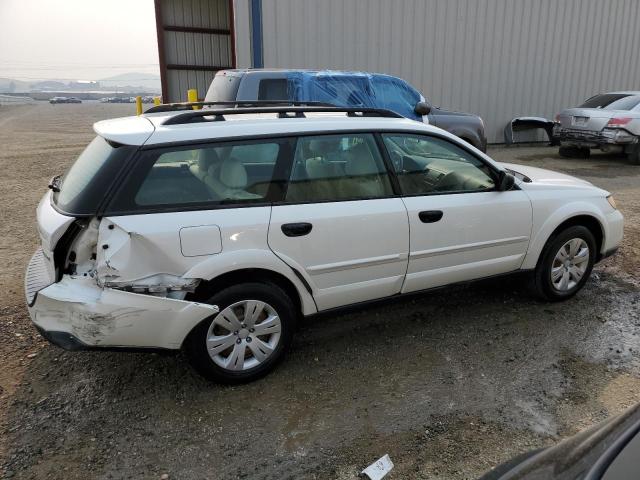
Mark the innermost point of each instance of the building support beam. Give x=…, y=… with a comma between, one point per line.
x=256, y=34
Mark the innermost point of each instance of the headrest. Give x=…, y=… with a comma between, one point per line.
x=233, y=174
x=320, y=147
x=207, y=158
x=316, y=168
x=361, y=162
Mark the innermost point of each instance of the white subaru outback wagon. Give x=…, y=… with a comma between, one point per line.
x=213, y=230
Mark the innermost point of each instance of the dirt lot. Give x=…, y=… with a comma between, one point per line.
x=449, y=384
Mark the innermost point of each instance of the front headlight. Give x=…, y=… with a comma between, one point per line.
x=612, y=202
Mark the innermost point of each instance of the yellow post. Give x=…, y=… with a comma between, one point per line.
x=192, y=97
x=156, y=101
x=138, y=105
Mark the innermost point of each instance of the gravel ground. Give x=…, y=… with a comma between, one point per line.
x=450, y=383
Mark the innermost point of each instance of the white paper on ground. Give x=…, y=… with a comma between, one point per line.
x=379, y=468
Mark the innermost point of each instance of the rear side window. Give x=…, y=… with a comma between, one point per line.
x=86, y=183
x=612, y=101
x=337, y=167
x=273, y=89
x=222, y=174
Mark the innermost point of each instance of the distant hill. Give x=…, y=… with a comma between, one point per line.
x=9, y=85
x=48, y=85
x=146, y=81
x=126, y=82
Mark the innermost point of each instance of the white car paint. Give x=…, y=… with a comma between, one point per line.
x=555, y=198
x=106, y=317
x=357, y=250
x=470, y=241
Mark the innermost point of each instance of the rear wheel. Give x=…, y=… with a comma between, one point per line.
x=565, y=264
x=633, y=154
x=574, y=152
x=247, y=338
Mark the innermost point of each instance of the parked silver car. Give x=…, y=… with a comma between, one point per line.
x=608, y=121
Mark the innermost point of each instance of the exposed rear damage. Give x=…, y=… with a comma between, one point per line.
x=76, y=313
x=127, y=260
x=96, y=284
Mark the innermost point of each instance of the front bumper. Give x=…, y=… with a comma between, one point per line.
x=75, y=313
x=593, y=139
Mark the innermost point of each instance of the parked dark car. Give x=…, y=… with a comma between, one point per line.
x=55, y=100
x=344, y=89
x=608, y=451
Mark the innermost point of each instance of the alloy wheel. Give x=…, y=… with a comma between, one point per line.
x=570, y=264
x=243, y=335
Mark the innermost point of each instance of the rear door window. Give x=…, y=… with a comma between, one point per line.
x=337, y=167
x=207, y=176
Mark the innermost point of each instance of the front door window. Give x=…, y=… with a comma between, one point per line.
x=427, y=165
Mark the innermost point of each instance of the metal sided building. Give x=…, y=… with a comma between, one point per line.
x=496, y=58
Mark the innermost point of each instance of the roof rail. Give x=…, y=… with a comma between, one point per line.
x=195, y=116
x=173, y=107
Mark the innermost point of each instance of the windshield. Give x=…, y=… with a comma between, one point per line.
x=85, y=184
x=612, y=101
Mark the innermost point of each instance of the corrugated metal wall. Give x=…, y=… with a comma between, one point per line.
x=496, y=58
x=196, y=41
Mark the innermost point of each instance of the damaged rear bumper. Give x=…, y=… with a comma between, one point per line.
x=608, y=137
x=75, y=313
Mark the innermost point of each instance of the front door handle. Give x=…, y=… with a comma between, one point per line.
x=430, y=216
x=296, y=229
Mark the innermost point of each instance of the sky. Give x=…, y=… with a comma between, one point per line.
x=76, y=39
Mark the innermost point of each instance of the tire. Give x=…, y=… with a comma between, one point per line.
x=574, y=152
x=232, y=346
x=633, y=155
x=578, y=273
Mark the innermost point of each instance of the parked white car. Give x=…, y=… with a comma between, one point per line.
x=214, y=230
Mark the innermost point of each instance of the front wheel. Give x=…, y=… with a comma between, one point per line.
x=247, y=338
x=565, y=264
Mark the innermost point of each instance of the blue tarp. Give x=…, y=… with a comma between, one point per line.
x=354, y=89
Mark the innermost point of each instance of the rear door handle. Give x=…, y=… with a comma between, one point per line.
x=296, y=229
x=430, y=216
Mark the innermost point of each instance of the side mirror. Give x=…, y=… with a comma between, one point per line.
x=422, y=108
x=505, y=181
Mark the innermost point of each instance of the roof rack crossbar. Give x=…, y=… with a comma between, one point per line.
x=173, y=107
x=282, y=111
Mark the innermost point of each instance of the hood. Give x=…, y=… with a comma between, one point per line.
x=540, y=176
x=440, y=111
